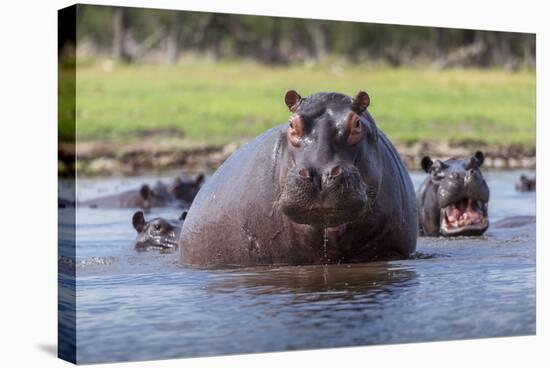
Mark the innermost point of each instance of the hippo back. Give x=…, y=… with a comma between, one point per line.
x=237, y=196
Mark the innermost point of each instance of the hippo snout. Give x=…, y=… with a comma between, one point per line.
x=332, y=195
x=323, y=179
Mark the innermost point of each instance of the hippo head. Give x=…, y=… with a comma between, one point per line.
x=186, y=190
x=327, y=139
x=462, y=194
x=526, y=184
x=148, y=198
x=157, y=233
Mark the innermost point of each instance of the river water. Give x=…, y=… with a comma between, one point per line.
x=141, y=306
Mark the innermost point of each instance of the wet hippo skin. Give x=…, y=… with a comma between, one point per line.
x=157, y=233
x=453, y=199
x=326, y=187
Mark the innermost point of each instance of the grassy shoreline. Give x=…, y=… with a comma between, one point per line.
x=216, y=104
x=140, y=117
x=148, y=155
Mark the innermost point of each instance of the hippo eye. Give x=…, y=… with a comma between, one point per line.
x=353, y=127
x=295, y=130
x=438, y=175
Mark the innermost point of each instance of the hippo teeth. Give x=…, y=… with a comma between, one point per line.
x=464, y=213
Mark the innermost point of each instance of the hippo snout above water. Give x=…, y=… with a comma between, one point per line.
x=326, y=187
x=157, y=233
x=453, y=199
x=526, y=184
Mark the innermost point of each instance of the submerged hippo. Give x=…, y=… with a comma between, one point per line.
x=326, y=187
x=526, y=184
x=157, y=233
x=513, y=222
x=454, y=197
x=144, y=198
x=178, y=193
x=186, y=190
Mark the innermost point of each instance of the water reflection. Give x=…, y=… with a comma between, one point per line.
x=314, y=283
x=144, y=306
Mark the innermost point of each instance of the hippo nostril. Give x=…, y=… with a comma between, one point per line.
x=304, y=173
x=335, y=171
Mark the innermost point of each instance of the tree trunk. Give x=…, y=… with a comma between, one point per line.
x=319, y=39
x=119, y=34
x=173, y=39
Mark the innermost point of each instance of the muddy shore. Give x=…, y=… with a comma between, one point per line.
x=106, y=158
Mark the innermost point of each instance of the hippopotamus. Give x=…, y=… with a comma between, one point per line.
x=144, y=198
x=526, y=184
x=186, y=190
x=326, y=187
x=513, y=222
x=453, y=199
x=157, y=233
x=179, y=193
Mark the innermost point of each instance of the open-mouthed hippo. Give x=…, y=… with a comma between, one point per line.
x=453, y=199
x=157, y=233
x=326, y=187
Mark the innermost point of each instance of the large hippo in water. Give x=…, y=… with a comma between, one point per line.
x=453, y=199
x=327, y=187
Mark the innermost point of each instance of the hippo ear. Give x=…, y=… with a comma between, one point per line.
x=138, y=220
x=426, y=163
x=361, y=101
x=200, y=179
x=480, y=157
x=145, y=191
x=291, y=99
x=183, y=216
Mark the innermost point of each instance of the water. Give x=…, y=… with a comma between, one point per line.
x=136, y=306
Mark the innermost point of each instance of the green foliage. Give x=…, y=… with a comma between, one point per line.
x=66, y=102
x=222, y=102
x=290, y=40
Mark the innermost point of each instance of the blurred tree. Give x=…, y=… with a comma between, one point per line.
x=132, y=34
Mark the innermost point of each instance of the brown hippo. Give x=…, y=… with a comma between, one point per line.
x=453, y=199
x=327, y=187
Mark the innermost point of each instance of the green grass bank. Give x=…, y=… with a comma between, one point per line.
x=217, y=103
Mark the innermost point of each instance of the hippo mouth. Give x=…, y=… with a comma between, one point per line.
x=467, y=216
x=326, y=217
x=157, y=243
x=165, y=244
